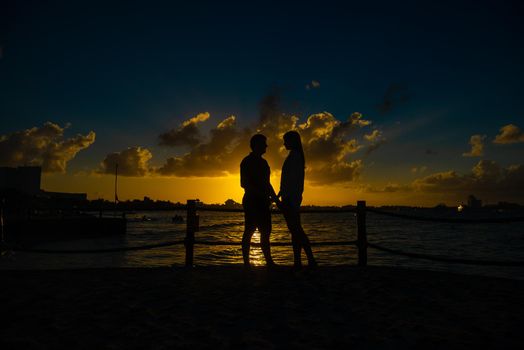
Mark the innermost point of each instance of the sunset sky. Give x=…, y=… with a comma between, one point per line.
x=413, y=103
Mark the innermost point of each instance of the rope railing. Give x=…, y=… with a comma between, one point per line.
x=94, y=251
x=163, y=245
x=192, y=225
x=304, y=211
x=276, y=244
x=446, y=259
x=446, y=220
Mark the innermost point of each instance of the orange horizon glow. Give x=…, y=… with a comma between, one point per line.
x=217, y=190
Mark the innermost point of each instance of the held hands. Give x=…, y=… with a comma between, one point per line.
x=278, y=202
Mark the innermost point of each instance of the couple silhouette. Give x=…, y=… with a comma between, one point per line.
x=259, y=194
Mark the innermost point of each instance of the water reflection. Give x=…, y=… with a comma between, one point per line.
x=486, y=241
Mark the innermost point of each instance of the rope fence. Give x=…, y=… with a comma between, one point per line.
x=192, y=226
x=96, y=251
x=440, y=258
x=445, y=259
x=447, y=220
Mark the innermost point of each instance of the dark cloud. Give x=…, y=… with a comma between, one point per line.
x=430, y=152
x=339, y=172
x=328, y=145
x=389, y=188
x=509, y=134
x=487, y=180
x=419, y=169
x=187, y=134
x=133, y=161
x=396, y=95
x=44, y=146
x=314, y=84
x=211, y=158
x=477, y=146
x=375, y=139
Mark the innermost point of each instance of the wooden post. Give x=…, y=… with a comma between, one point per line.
x=191, y=227
x=362, y=234
x=2, y=221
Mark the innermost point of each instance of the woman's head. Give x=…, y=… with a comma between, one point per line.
x=292, y=141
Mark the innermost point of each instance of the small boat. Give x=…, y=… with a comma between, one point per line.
x=147, y=218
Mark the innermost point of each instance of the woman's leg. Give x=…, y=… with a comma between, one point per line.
x=297, y=249
x=307, y=247
x=293, y=224
x=266, y=247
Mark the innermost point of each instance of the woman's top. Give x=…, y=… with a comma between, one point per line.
x=292, y=179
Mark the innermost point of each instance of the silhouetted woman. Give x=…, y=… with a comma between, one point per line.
x=291, y=188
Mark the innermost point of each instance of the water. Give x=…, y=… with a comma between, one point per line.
x=482, y=241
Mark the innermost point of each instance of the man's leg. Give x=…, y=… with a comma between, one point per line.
x=249, y=229
x=264, y=226
x=246, y=243
x=266, y=246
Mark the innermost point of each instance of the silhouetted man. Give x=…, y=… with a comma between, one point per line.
x=254, y=178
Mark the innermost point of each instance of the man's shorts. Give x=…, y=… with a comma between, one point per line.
x=257, y=213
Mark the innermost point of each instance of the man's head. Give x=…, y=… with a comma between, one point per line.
x=258, y=144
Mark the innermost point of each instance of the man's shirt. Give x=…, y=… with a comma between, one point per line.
x=254, y=176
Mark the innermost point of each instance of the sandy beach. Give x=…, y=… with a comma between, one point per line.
x=227, y=307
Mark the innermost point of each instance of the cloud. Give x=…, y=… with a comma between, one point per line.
x=450, y=180
x=395, y=96
x=207, y=159
x=374, y=136
x=376, y=140
x=133, y=161
x=187, y=134
x=420, y=169
x=329, y=144
x=314, y=84
x=356, y=120
x=340, y=172
x=389, y=188
x=430, y=152
x=44, y=146
x=487, y=180
x=509, y=134
x=477, y=146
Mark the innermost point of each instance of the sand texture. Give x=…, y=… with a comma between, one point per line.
x=226, y=307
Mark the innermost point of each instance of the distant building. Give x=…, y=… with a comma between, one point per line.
x=62, y=196
x=474, y=202
x=27, y=179
x=24, y=179
x=230, y=203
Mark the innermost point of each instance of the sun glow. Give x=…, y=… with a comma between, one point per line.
x=255, y=253
x=208, y=190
